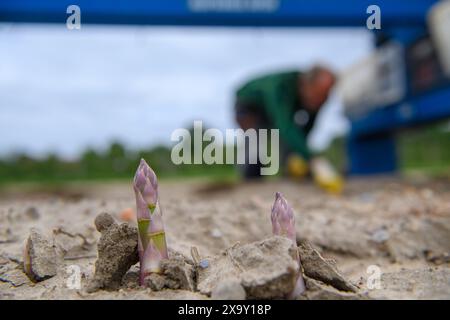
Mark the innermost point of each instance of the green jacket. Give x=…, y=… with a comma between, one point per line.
x=277, y=95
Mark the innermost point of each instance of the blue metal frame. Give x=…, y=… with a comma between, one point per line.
x=427, y=107
x=373, y=154
x=180, y=12
x=371, y=143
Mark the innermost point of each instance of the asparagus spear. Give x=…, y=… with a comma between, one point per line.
x=283, y=224
x=152, y=240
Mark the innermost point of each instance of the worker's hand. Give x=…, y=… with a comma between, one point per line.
x=326, y=176
x=296, y=166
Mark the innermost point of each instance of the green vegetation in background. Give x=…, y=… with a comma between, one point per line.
x=425, y=149
x=114, y=164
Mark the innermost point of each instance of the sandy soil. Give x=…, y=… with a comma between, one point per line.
x=403, y=227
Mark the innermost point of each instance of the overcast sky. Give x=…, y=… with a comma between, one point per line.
x=62, y=91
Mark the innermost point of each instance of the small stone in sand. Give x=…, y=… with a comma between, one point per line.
x=316, y=267
x=204, y=264
x=131, y=279
x=40, y=257
x=103, y=221
x=216, y=233
x=32, y=213
x=316, y=290
x=176, y=273
x=266, y=269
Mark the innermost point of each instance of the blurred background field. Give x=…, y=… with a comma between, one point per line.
x=87, y=104
x=100, y=98
x=425, y=151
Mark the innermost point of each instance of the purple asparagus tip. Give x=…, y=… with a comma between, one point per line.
x=146, y=186
x=283, y=224
x=283, y=220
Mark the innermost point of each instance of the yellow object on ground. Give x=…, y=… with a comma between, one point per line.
x=326, y=176
x=297, y=167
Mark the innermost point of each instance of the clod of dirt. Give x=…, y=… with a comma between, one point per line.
x=117, y=252
x=266, y=269
x=131, y=279
x=103, y=221
x=177, y=272
x=316, y=267
x=155, y=281
x=40, y=257
x=32, y=213
x=228, y=290
x=316, y=290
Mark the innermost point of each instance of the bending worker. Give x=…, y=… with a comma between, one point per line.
x=289, y=101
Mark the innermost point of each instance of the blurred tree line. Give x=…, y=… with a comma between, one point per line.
x=427, y=149
x=117, y=162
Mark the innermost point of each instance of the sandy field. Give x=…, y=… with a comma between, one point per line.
x=401, y=227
